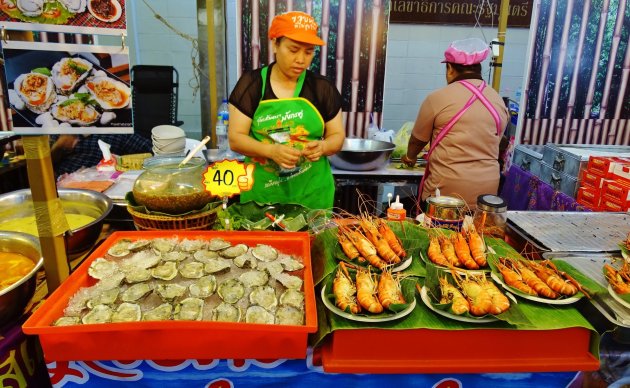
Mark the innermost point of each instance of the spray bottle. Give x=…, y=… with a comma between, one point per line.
x=396, y=211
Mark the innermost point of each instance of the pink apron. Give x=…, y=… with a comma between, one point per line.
x=477, y=95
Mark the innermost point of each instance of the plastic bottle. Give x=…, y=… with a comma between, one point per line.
x=223, y=116
x=396, y=211
x=372, y=129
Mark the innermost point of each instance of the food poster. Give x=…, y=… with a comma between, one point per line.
x=68, y=88
x=106, y=17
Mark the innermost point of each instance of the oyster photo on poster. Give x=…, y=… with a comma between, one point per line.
x=75, y=16
x=67, y=88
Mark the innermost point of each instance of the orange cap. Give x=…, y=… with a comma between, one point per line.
x=298, y=26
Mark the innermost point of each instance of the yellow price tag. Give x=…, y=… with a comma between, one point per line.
x=228, y=178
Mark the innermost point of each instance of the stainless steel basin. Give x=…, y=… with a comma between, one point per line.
x=362, y=154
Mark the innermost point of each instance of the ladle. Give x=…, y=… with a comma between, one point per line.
x=194, y=151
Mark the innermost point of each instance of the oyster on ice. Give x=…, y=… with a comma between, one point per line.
x=257, y=314
x=264, y=296
x=105, y=297
x=289, y=263
x=139, y=245
x=191, y=270
x=101, y=268
x=189, y=309
x=108, y=92
x=68, y=73
x=203, y=287
x=170, y=292
x=292, y=297
x=218, y=244
x=166, y=271
x=204, y=256
x=160, y=313
x=174, y=256
x=273, y=267
x=231, y=290
x=226, y=312
x=137, y=275
x=254, y=278
x=127, y=312
x=144, y=259
x=236, y=250
x=289, y=281
x=289, y=315
x=36, y=90
x=135, y=292
x=191, y=246
x=67, y=321
x=163, y=245
x=99, y=314
x=246, y=260
x=74, y=6
x=75, y=111
x=264, y=252
x=217, y=266
x=32, y=8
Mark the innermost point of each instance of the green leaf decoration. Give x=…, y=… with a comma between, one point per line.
x=77, y=67
x=53, y=13
x=42, y=70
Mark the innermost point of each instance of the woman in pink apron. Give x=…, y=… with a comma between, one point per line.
x=463, y=122
x=286, y=119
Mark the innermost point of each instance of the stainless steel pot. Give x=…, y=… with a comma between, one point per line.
x=14, y=298
x=362, y=154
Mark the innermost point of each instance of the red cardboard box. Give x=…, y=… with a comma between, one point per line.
x=617, y=190
x=604, y=165
x=589, y=197
x=621, y=172
x=592, y=179
x=609, y=205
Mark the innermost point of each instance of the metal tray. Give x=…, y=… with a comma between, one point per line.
x=572, y=231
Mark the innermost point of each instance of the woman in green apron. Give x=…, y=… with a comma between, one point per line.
x=286, y=119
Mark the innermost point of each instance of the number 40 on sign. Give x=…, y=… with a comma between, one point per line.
x=228, y=178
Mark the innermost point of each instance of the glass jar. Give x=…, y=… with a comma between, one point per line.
x=490, y=215
x=165, y=187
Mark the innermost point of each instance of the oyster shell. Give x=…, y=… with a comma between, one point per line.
x=101, y=268
x=203, y=287
x=204, y=256
x=264, y=296
x=174, y=256
x=67, y=321
x=36, y=90
x=74, y=6
x=289, y=263
x=163, y=245
x=145, y=259
x=99, y=314
x=166, y=271
x=135, y=292
x=226, y=312
x=108, y=92
x=289, y=315
x=246, y=260
x=254, y=278
x=120, y=249
x=273, y=267
x=257, y=314
x=289, y=281
x=160, y=313
x=139, y=245
x=292, y=297
x=236, y=250
x=191, y=270
x=68, y=73
x=75, y=111
x=137, y=275
x=192, y=246
x=112, y=281
x=106, y=297
x=127, y=312
x=231, y=290
x=189, y=309
x=170, y=292
x=30, y=8
x=109, y=14
x=217, y=266
x=217, y=244
x=265, y=252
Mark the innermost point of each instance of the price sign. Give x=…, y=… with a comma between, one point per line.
x=228, y=178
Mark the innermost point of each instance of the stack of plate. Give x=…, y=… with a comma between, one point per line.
x=168, y=140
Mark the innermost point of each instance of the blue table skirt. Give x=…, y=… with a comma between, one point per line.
x=261, y=373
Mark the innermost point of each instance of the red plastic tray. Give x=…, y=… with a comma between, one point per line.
x=458, y=351
x=175, y=339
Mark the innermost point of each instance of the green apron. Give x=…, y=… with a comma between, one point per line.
x=294, y=122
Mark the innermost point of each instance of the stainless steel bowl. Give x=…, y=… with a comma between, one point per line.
x=362, y=154
x=215, y=155
x=17, y=204
x=14, y=298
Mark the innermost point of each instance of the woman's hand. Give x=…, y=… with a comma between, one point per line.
x=285, y=156
x=410, y=162
x=314, y=150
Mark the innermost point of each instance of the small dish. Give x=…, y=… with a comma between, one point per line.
x=562, y=301
x=424, y=295
x=365, y=318
x=616, y=297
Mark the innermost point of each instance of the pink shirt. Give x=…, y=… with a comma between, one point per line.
x=465, y=163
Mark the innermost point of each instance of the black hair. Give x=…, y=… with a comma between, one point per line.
x=476, y=68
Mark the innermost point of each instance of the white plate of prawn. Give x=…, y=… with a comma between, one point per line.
x=424, y=295
x=465, y=251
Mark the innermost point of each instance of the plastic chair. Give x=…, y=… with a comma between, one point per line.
x=155, y=95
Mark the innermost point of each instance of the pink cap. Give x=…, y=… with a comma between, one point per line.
x=466, y=52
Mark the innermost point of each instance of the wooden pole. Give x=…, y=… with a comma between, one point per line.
x=325, y=28
x=564, y=41
x=369, y=91
x=503, y=16
x=212, y=69
x=51, y=220
x=239, y=39
x=255, y=36
x=339, y=52
x=271, y=13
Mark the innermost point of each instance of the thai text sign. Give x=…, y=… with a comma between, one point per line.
x=463, y=12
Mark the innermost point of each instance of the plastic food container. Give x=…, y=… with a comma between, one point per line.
x=490, y=216
x=175, y=340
